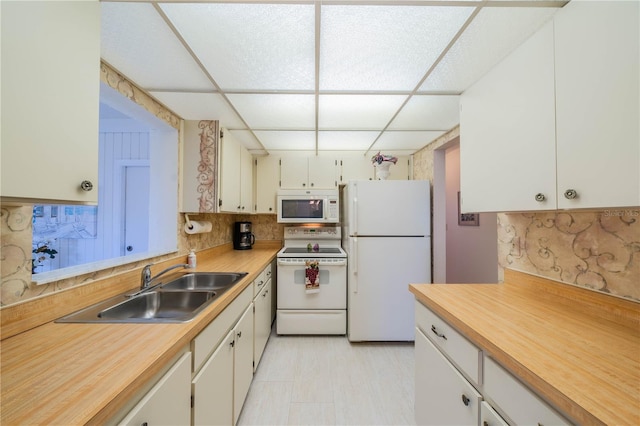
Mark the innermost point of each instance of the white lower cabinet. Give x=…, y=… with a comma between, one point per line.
x=212, y=396
x=168, y=402
x=518, y=404
x=457, y=384
x=262, y=321
x=489, y=417
x=242, y=361
x=442, y=396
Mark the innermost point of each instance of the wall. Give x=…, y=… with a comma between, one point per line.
x=599, y=250
x=472, y=251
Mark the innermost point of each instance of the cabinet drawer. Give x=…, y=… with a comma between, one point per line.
x=442, y=395
x=466, y=356
x=261, y=280
x=208, y=339
x=514, y=399
x=489, y=417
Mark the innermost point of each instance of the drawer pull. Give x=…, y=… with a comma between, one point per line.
x=433, y=328
x=465, y=400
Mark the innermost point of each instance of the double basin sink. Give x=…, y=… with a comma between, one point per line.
x=179, y=300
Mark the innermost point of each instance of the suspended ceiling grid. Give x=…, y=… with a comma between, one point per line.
x=317, y=75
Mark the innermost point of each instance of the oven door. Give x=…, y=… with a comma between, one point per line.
x=292, y=293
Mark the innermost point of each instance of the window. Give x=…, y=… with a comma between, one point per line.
x=137, y=207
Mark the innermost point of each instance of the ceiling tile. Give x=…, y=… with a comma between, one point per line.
x=407, y=140
x=383, y=47
x=251, y=46
x=137, y=42
x=494, y=33
x=357, y=112
x=287, y=140
x=271, y=111
x=200, y=106
x=424, y=112
x=346, y=140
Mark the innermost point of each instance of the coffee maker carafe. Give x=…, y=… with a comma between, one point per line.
x=243, y=239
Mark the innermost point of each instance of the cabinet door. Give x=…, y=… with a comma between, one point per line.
x=169, y=401
x=262, y=322
x=243, y=361
x=267, y=181
x=212, y=387
x=322, y=173
x=356, y=168
x=50, y=100
x=489, y=417
x=293, y=173
x=597, y=46
x=442, y=395
x=507, y=132
x=401, y=170
x=246, y=181
x=230, y=157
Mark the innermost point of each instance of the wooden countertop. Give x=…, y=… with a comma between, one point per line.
x=578, y=349
x=70, y=374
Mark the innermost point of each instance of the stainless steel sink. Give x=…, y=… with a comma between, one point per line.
x=179, y=300
x=159, y=305
x=208, y=281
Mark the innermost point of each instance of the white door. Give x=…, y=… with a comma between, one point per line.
x=386, y=207
x=136, y=210
x=380, y=306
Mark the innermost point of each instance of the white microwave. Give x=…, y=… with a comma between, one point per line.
x=308, y=206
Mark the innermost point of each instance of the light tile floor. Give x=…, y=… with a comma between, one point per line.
x=326, y=380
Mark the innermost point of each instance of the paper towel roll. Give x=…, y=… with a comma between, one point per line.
x=198, y=227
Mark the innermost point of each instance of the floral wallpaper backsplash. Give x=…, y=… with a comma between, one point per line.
x=599, y=250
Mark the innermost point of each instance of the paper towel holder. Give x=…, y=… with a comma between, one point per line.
x=188, y=222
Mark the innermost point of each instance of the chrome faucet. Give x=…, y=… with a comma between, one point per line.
x=146, y=278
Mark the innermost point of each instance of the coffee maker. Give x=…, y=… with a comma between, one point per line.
x=243, y=239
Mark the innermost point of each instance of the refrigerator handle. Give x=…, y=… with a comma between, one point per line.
x=355, y=216
x=355, y=263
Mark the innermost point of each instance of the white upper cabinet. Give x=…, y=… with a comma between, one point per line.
x=217, y=171
x=555, y=124
x=50, y=101
x=507, y=132
x=597, y=45
x=267, y=174
x=308, y=173
x=356, y=168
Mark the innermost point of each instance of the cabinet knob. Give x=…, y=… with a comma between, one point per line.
x=270, y=209
x=304, y=184
x=311, y=183
x=232, y=343
x=485, y=423
x=540, y=197
x=86, y=185
x=238, y=207
x=239, y=334
x=465, y=400
x=570, y=194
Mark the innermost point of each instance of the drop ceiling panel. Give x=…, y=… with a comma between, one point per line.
x=276, y=111
x=493, y=33
x=357, y=112
x=407, y=140
x=345, y=140
x=200, y=106
x=251, y=46
x=138, y=43
x=383, y=47
x=287, y=140
x=424, y=112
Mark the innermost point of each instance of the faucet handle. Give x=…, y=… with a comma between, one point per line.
x=145, y=277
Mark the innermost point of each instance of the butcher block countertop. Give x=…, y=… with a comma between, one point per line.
x=578, y=349
x=71, y=374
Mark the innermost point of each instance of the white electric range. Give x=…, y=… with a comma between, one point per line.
x=318, y=310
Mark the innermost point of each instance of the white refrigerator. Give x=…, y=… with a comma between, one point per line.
x=386, y=232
